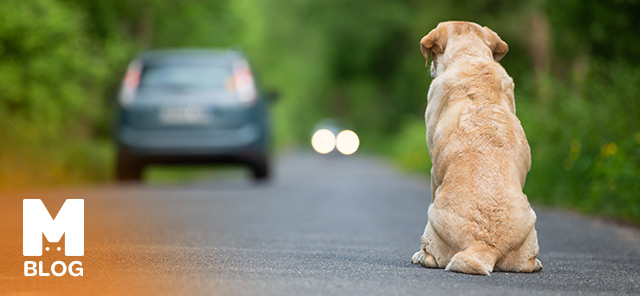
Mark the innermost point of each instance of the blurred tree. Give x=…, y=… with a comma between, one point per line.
x=604, y=29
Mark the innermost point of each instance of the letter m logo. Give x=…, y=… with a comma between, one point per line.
x=36, y=221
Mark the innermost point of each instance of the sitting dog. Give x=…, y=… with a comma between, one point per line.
x=479, y=218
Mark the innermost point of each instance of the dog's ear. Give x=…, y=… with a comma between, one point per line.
x=498, y=47
x=434, y=42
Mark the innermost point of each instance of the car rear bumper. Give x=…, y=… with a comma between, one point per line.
x=194, y=144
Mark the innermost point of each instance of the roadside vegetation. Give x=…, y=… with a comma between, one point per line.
x=575, y=65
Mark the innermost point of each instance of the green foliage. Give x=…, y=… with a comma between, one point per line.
x=582, y=117
x=410, y=147
x=49, y=85
x=45, y=67
x=585, y=142
x=607, y=29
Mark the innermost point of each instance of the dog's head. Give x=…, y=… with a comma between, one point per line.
x=450, y=39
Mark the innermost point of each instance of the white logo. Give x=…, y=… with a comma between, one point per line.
x=37, y=221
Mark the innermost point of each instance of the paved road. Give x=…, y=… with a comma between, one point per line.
x=324, y=226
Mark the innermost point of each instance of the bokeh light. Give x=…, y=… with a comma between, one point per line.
x=347, y=142
x=323, y=141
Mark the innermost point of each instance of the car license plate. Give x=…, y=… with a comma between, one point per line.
x=189, y=115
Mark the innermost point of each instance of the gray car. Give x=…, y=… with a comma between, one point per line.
x=191, y=107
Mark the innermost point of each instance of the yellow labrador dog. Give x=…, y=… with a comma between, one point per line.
x=479, y=219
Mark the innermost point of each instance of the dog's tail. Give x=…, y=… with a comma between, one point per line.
x=478, y=258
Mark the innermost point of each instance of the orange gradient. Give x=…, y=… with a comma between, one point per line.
x=115, y=261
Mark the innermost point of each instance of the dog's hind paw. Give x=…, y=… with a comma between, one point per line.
x=426, y=260
x=418, y=257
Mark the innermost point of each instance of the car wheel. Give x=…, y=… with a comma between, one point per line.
x=260, y=169
x=128, y=167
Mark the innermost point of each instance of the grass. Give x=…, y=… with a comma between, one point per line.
x=164, y=175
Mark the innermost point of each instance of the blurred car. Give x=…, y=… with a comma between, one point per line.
x=191, y=106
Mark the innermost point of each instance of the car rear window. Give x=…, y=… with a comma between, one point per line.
x=186, y=76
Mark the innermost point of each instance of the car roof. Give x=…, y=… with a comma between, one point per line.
x=182, y=56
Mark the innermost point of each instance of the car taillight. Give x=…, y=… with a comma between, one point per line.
x=244, y=84
x=130, y=83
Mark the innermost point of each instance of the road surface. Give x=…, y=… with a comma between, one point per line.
x=325, y=226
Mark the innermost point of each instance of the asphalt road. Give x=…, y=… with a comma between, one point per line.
x=324, y=226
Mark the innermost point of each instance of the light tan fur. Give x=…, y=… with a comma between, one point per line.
x=479, y=218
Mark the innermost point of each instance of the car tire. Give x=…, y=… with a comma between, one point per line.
x=260, y=169
x=129, y=168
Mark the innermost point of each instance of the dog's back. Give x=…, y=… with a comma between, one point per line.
x=480, y=156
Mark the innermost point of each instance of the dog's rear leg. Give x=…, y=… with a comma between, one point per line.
x=524, y=258
x=478, y=258
x=434, y=252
